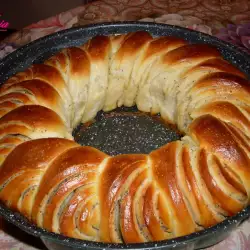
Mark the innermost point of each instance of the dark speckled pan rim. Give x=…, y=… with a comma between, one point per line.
x=126, y=25
x=21, y=222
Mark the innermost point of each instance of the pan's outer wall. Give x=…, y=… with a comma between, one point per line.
x=43, y=48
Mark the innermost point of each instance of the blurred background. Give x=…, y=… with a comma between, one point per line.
x=20, y=13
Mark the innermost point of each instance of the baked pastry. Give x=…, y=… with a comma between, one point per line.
x=81, y=192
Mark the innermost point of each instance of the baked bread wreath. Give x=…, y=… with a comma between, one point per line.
x=81, y=192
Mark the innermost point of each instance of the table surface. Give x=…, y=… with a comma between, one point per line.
x=228, y=20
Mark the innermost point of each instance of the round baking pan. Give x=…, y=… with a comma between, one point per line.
x=150, y=132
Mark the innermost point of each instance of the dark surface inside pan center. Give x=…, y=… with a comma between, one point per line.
x=125, y=131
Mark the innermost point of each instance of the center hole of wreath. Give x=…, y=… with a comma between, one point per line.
x=125, y=131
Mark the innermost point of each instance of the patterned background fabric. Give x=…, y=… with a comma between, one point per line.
x=228, y=20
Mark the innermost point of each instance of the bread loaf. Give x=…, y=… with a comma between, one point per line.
x=81, y=192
